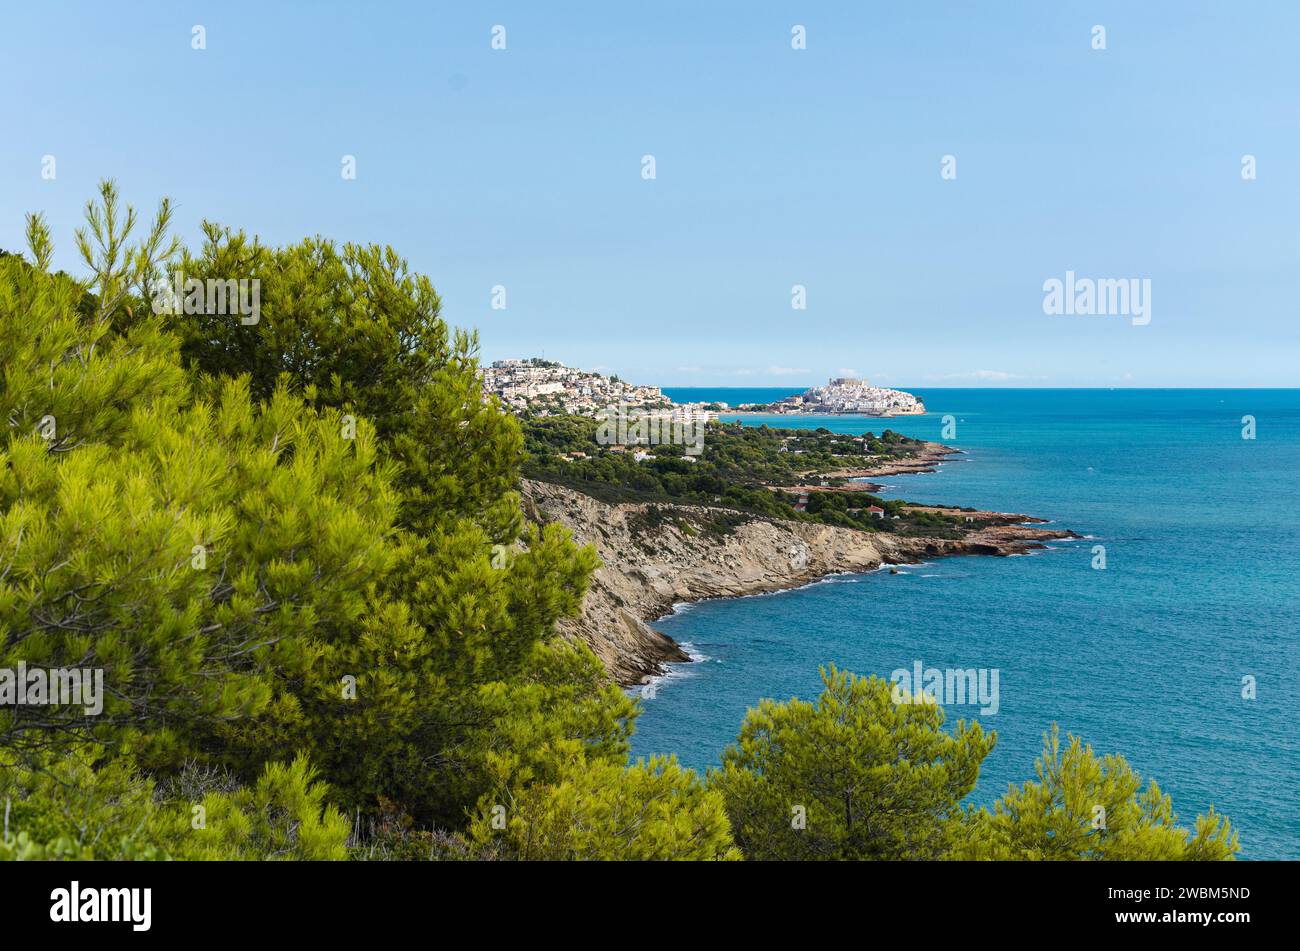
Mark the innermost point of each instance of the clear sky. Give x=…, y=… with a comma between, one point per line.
x=774, y=167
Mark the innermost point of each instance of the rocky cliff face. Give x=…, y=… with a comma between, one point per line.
x=655, y=555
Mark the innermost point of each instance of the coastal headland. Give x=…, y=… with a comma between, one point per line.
x=651, y=561
x=843, y=396
x=856, y=479
x=736, y=510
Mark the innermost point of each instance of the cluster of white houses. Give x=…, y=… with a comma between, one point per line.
x=849, y=395
x=545, y=388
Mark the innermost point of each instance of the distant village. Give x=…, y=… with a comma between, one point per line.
x=844, y=395
x=540, y=387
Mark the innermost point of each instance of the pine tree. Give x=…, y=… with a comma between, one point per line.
x=853, y=776
x=86, y=803
x=456, y=639
x=1086, y=807
x=604, y=811
x=181, y=543
x=354, y=329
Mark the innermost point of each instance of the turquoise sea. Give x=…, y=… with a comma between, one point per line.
x=1201, y=589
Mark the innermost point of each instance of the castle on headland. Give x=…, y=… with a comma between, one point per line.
x=848, y=394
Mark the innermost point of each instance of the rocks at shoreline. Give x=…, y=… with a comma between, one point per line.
x=693, y=552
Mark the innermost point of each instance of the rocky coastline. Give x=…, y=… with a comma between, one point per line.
x=653, y=560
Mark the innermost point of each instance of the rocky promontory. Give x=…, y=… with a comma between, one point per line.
x=655, y=555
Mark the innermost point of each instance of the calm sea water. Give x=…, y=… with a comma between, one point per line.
x=1201, y=588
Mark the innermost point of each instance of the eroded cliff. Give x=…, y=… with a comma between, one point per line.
x=654, y=555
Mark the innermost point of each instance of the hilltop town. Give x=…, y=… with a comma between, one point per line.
x=537, y=387
x=844, y=395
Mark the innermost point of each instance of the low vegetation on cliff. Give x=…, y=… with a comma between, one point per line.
x=752, y=469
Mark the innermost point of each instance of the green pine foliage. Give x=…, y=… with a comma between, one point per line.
x=77, y=804
x=1091, y=808
x=85, y=804
x=605, y=811
x=194, y=545
x=852, y=776
x=298, y=534
x=283, y=815
x=451, y=645
x=858, y=776
x=355, y=330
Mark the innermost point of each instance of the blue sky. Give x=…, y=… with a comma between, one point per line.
x=775, y=167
